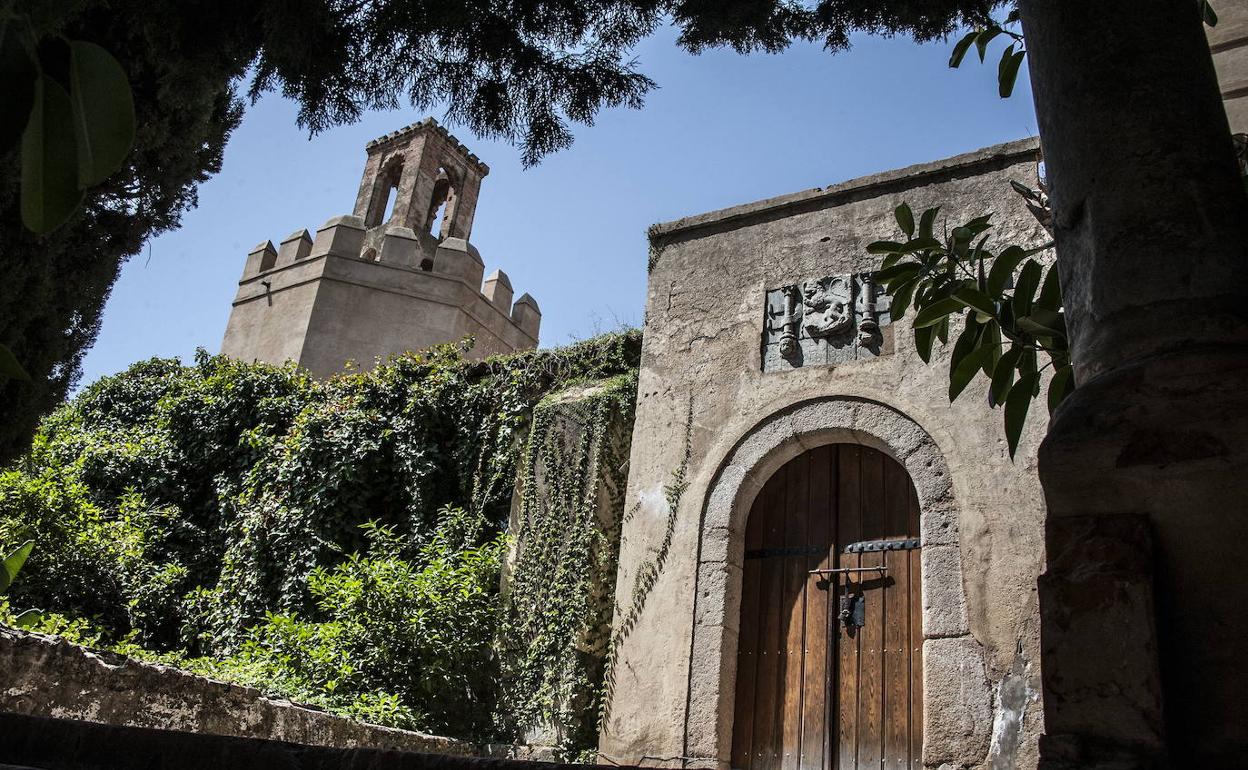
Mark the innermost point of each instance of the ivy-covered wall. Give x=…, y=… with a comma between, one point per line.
x=560, y=576
x=334, y=541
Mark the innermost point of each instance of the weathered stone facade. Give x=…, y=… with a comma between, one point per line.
x=380, y=282
x=712, y=365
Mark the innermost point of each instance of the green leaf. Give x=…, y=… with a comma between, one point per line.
x=1043, y=322
x=1061, y=386
x=903, y=271
x=963, y=45
x=979, y=224
x=1025, y=289
x=1007, y=71
x=1050, y=291
x=1208, y=14
x=985, y=37
x=961, y=375
x=966, y=343
x=1003, y=268
x=885, y=247
x=103, y=111
x=17, y=86
x=927, y=221
x=1009, y=74
x=921, y=244
x=975, y=299
x=942, y=330
x=9, y=367
x=992, y=337
x=1003, y=376
x=1016, y=405
x=27, y=618
x=899, y=302
x=905, y=219
x=13, y=562
x=923, y=338
x=50, y=190
x=936, y=312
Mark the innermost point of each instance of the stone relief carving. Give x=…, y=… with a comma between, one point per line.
x=832, y=319
x=827, y=305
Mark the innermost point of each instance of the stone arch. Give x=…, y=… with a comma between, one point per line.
x=957, y=699
x=442, y=203
x=385, y=191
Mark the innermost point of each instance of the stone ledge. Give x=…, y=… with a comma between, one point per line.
x=45, y=676
x=1006, y=153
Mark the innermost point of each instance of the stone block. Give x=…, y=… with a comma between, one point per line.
x=341, y=236
x=458, y=258
x=498, y=290
x=957, y=703
x=944, y=600
x=527, y=315
x=400, y=247
x=262, y=257
x=296, y=246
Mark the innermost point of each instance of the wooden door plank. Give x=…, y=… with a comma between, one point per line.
x=848, y=530
x=847, y=647
x=871, y=636
x=748, y=638
x=793, y=611
x=767, y=697
x=896, y=500
x=870, y=667
x=849, y=495
x=815, y=673
x=896, y=707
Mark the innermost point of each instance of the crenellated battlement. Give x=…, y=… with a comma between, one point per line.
x=399, y=274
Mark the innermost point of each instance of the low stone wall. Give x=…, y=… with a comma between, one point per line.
x=28, y=742
x=45, y=676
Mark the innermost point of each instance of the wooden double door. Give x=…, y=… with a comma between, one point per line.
x=829, y=667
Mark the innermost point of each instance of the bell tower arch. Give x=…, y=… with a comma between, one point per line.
x=418, y=177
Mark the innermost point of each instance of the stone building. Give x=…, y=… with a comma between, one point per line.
x=826, y=563
x=398, y=274
x=817, y=440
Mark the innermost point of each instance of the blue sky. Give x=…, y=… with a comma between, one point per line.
x=722, y=129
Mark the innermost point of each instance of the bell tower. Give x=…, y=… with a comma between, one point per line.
x=422, y=179
x=397, y=275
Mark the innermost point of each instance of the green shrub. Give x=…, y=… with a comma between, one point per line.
x=200, y=514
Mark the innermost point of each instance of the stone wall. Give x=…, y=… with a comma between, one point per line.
x=44, y=676
x=703, y=373
x=28, y=742
x=565, y=532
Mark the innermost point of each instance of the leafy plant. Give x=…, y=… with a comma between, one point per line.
x=71, y=104
x=199, y=515
x=1006, y=323
x=10, y=565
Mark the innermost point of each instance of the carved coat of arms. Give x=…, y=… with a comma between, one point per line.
x=823, y=320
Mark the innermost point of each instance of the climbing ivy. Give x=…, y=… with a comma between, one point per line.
x=560, y=590
x=187, y=510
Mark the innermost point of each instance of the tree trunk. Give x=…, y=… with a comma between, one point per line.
x=1144, y=603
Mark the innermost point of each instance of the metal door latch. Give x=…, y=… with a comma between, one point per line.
x=853, y=612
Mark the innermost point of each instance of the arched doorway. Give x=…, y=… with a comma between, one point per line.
x=829, y=666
